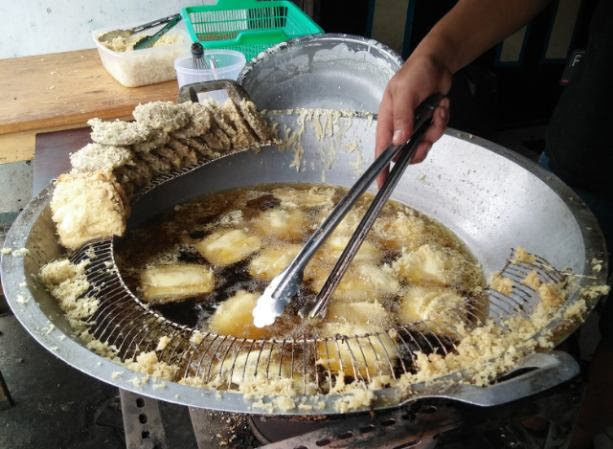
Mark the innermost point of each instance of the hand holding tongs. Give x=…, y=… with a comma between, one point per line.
x=284, y=286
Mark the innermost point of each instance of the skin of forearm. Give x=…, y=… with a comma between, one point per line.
x=473, y=26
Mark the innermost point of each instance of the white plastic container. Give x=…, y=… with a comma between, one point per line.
x=228, y=64
x=134, y=68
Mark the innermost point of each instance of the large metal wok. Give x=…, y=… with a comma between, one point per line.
x=490, y=197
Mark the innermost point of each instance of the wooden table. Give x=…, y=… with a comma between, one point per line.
x=61, y=91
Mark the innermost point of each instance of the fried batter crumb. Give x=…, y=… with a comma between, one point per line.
x=165, y=116
x=163, y=343
x=532, y=280
x=551, y=295
x=95, y=156
x=520, y=255
x=118, y=132
x=501, y=284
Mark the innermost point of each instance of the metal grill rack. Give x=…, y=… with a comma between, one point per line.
x=125, y=322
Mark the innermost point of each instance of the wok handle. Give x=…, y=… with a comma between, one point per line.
x=189, y=92
x=547, y=370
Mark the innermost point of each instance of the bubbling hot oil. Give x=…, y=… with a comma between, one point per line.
x=169, y=238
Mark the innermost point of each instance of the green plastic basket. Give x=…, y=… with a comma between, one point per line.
x=248, y=26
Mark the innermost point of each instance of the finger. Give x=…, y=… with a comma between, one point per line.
x=421, y=152
x=440, y=118
x=384, y=132
x=403, y=117
x=384, y=123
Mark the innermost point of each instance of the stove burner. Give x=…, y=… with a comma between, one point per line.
x=411, y=427
x=542, y=421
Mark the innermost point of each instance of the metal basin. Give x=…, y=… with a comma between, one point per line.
x=335, y=71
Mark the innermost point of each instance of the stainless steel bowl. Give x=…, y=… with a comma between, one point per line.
x=335, y=71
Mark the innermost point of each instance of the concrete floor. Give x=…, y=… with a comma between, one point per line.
x=55, y=406
x=58, y=407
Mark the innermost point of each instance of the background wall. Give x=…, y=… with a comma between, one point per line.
x=31, y=27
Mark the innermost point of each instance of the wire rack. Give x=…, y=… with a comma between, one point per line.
x=124, y=321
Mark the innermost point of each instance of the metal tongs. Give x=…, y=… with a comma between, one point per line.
x=284, y=286
x=110, y=35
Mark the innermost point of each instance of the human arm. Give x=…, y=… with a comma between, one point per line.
x=465, y=32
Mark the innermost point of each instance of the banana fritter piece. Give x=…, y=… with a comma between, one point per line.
x=188, y=155
x=88, y=206
x=314, y=197
x=165, y=116
x=243, y=137
x=134, y=176
x=199, y=120
x=361, y=282
x=259, y=126
x=170, y=155
x=404, y=231
x=437, y=265
x=336, y=243
x=289, y=225
x=219, y=121
x=272, y=261
x=365, y=313
x=432, y=309
x=118, y=132
x=95, y=156
x=156, y=140
x=221, y=136
x=245, y=366
x=156, y=163
x=174, y=282
x=356, y=356
x=200, y=147
x=234, y=317
x=228, y=246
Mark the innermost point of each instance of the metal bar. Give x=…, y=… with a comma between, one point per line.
x=390, y=430
x=5, y=394
x=142, y=422
x=205, y=438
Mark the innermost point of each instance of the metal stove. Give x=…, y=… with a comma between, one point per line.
x=544, y=421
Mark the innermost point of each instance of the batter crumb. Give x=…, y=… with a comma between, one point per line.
x=532, y=280
x=95, y=156
x=67, y=283
x=165, y=116
x=551, y=295
x=501, y=284
x=163, y=343
x=520, y=255
x=575, y=310
x=118, y=132
x=196, y=337
x=148, y=363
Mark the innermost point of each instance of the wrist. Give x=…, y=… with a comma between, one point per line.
x=440, y=51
